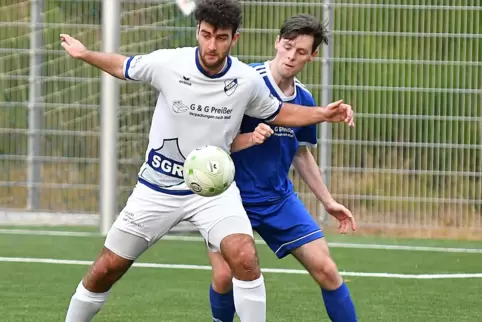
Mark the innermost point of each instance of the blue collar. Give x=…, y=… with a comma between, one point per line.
x=205, y=73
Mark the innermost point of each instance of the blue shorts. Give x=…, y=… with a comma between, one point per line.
x=284, y=225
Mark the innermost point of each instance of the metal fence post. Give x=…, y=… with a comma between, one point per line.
x=109, y=121
x=35, y=108
x=326, y=97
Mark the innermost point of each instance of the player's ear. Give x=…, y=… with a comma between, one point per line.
x=235, y=38
x=313, y=55
x=197, y=31
x=276, y=42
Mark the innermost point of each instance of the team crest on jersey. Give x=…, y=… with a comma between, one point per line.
x=168, y=162
x=230, y=86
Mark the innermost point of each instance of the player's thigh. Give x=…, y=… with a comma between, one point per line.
x=312, y=254
x=147, y=216
x=286, y=225
x=219, y=217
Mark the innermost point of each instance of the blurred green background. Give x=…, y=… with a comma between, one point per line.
x=411, y=72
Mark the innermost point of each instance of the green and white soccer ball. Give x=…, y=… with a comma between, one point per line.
x=208, y=171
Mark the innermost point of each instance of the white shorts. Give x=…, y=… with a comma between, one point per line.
x=150, y=214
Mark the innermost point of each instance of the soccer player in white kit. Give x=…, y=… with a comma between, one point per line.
x=204, y=94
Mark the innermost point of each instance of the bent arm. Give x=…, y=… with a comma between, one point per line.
x=292, y=115
x=109, y=63
x=241, y=142
x=306, y=166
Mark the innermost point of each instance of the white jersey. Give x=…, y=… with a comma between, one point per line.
x=194, y=109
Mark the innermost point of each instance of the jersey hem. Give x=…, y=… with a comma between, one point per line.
x=166, y=191
x=288, y=247
x=269, y=202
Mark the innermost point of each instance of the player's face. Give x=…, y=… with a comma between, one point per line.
x=292, y=55
x=214, y=45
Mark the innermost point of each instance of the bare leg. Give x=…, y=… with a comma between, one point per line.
x=315, y=257
x=107, y=269
x=248, y=284
x=221, y=289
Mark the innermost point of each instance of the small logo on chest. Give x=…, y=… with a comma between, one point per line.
x=185, y=80
x=179, y=107
x=230, y=86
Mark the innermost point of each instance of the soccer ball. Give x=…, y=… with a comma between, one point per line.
x=208, y=171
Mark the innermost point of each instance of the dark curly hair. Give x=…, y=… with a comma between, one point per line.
x=304, y=24
x=220, y=13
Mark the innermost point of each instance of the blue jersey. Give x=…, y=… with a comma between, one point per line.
x=262, y=170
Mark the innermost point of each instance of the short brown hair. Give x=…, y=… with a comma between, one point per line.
x=220, y=13
x=304, y=24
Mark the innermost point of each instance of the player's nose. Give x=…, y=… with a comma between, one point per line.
x=212, y=45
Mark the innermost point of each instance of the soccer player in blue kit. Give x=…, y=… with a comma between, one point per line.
x=263, y=156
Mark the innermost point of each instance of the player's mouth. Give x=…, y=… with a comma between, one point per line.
x=289, y=66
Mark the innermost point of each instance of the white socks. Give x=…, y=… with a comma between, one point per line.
x=84, y=304
x=250, y=299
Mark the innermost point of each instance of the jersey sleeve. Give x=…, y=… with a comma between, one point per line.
x=149, y=66
x=263, y=105
x=307, y=135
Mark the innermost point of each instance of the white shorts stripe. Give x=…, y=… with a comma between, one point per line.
x=294, y=241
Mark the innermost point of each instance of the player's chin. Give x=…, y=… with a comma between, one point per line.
x=288, y=73
x=212, y=61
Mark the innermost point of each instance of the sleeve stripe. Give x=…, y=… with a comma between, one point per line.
x=275, y=113
x=128, y=65
x=310, y=144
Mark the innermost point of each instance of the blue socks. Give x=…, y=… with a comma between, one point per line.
x=222, y=306
x=339, y=305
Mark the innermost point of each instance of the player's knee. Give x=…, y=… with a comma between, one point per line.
x=247, y=263
x=240, y=253
x=105, y=271
x=326, y=273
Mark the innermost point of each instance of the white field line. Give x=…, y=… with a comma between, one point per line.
x=258, y=241
x=265, y=270
x=47, y=233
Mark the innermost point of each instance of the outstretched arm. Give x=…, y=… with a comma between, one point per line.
x=305, y=165
x=264, y=105
x=109, y=63
x=291, y=115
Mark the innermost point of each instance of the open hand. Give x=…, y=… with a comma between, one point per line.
x=261, y=133
x=337, y=112
x=342, y=215
x=74, y=48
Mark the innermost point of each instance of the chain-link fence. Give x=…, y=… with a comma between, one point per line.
x=413, y=72
x=411, y=69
